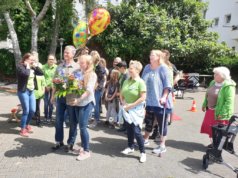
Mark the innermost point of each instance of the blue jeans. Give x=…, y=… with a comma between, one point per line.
x=66, y=116
x=84, y=113
x=60, y=110
x=28, y=102
x=98, y=96
x=48, y=106
x=135, y=132
x=73, y=121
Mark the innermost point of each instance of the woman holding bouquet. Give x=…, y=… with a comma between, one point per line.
x=85, y=103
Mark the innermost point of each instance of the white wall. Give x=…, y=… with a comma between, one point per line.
x=219, y=9
x=6, y=44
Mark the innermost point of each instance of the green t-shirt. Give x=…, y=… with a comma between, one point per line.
x=49, y=72
x=30, y=83
x=132, y=88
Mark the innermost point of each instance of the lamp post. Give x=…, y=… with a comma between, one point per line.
x=61, y=41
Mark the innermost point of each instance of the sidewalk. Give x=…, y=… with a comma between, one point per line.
x=12, y=88
x=32, y=157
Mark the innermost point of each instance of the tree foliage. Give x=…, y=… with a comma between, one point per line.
x=176, y=25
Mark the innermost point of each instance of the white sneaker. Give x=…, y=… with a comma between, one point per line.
x=143, y=157
x=146, y=142
x=93, y=125
x=159, y=150
x=127, y=151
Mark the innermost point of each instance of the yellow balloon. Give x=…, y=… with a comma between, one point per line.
x=98, y=21
x=80, y=34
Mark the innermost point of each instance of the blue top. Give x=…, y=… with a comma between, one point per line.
x=156, y=81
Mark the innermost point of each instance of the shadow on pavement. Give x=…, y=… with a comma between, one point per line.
x=195, y=166
x=186, y=146
x=30, y=147
x=110, y=147
x=8, y=127
x=112, y=131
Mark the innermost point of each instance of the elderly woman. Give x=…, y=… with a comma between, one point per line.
x=159, y=98
x=218, y=104
x=133, y=95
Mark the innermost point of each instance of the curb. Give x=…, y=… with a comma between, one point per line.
x=7, y=89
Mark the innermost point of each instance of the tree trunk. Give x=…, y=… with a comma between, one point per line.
x=36, y=21
x=14, y=38
x=55, y=36
x=34, y=37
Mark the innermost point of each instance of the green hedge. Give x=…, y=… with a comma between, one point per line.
x=7, y=63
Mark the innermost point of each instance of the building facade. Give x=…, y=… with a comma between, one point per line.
x=224, y=14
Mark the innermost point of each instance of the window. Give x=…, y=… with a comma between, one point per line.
x=233, y=47
x=216, y=22
x=227, y=18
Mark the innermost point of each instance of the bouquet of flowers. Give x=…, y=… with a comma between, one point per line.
x=69, y=84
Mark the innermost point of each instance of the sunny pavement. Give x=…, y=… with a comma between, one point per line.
x=32, y=157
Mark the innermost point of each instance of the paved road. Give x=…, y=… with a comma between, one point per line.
x=32, y=157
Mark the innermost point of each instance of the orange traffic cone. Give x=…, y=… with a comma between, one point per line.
x=193, y=109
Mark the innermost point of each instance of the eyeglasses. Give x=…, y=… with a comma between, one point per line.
x=51, y=59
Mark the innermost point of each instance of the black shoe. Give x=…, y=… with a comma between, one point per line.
x=210, y=145
x=57, y=146
x=39, y=123
x=155, y=133
x=122, y=129
x=68, y=148
x=170, y=122
x=153, y=136
x=107, y=123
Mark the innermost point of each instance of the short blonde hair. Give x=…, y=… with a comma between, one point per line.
x=117, y=59
x=88, y=59
x=136, y=64
x=223, y=71
x=159, y=53
x=95, y=56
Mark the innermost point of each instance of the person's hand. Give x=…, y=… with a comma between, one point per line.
x=219, y=117
x=162, y=100
x=34, y=64
x=73, y=102
x=127, y=107
x=108, y=98
x=52, y=99
x=203, y=109
x=81, y=83
x=27, y=64
x=47, y=89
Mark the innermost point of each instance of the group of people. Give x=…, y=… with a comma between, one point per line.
x=124, y=92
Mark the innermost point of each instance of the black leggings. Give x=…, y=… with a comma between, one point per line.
x=153, y=113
